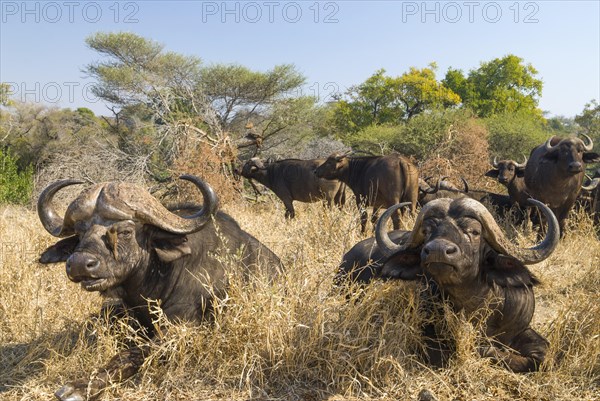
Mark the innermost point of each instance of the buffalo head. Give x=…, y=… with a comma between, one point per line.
x=112, y=228
x=252, y=167
x=457, y=242
x=334, y=167
x=571, y=153
x=505, y=171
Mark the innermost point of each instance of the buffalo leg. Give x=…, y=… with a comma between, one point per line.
x=290, y=213
x=121, y=367
x=360, y=204
x=528, y=351
x=374, y=216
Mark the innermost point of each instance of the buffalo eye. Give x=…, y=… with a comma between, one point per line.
x=474, y=232
x=125, y=234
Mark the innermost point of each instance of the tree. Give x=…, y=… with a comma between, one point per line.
x=233, y=88
x=391, y=100
x=419, y=90
x=589, y=119
x=503, y=85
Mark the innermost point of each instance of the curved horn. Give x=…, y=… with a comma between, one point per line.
x=495, y=162
x=592, y=185
x=496, y=238
x=590, y=145
x=547, y=145
x=386, y=245
x=52, y=222
x=190, y=224
x=522, y=164
x=466, y=184
x=434, y=189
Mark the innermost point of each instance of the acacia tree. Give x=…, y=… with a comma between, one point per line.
x=167, y=99
x=503, y=85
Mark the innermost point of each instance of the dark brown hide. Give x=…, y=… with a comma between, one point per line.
x=125, y=242
x=377, y=181
x=457, y=245
x=294, y=180
x=555, y=171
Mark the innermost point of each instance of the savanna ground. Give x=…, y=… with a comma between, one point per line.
x=296, y=339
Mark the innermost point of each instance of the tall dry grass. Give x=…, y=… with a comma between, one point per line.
x=296, y=339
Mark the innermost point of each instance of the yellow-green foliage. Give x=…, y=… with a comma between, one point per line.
x=297, y=339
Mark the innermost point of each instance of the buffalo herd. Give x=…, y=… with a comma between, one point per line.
x=117, y=239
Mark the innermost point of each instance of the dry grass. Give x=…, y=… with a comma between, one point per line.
x=297, y=339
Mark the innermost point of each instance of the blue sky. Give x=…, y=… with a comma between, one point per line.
x=335, y=44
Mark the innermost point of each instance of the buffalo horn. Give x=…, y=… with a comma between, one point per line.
x=466, y=184
x=492, y=232
x=498, y=241
x=432, y=190
x=547, y=145
x=386, y=245
x=592, y=184
x=495, y=162
x=590, y=145
x=52, y=222
x=154, y=213
x=523, y=164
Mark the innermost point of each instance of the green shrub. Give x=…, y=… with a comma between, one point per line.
x=512, y=135
x=15, y=186
x=418, y=137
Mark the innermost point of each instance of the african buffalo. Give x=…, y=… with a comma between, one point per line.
x=511, y=174
x=457, y=246
x=294, y=179
x=555, y=171
x=377, y=181
x=121, y=239
x=589, y=197
x=442, y=189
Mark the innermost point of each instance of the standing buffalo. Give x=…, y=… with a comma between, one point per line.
x=511, y=174
x=457, y=245
x=121, y=239
x=555, y=171
x=294, y=179
x=378, y=181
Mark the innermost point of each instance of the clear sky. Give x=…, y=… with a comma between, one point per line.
x=335, y=44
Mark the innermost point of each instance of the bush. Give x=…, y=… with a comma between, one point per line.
x=418, y=137
x=512, y=135
x=15, y=186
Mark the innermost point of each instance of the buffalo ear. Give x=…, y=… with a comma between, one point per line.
x=493, y=173
x=170, y=247
x=404, y=265
x=60, y=251
x=591, y=157
x=507, y=271
x=520, y=172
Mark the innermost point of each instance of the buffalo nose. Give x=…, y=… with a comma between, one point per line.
x=81, y=265
x=575, y=167
x=440, y=250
